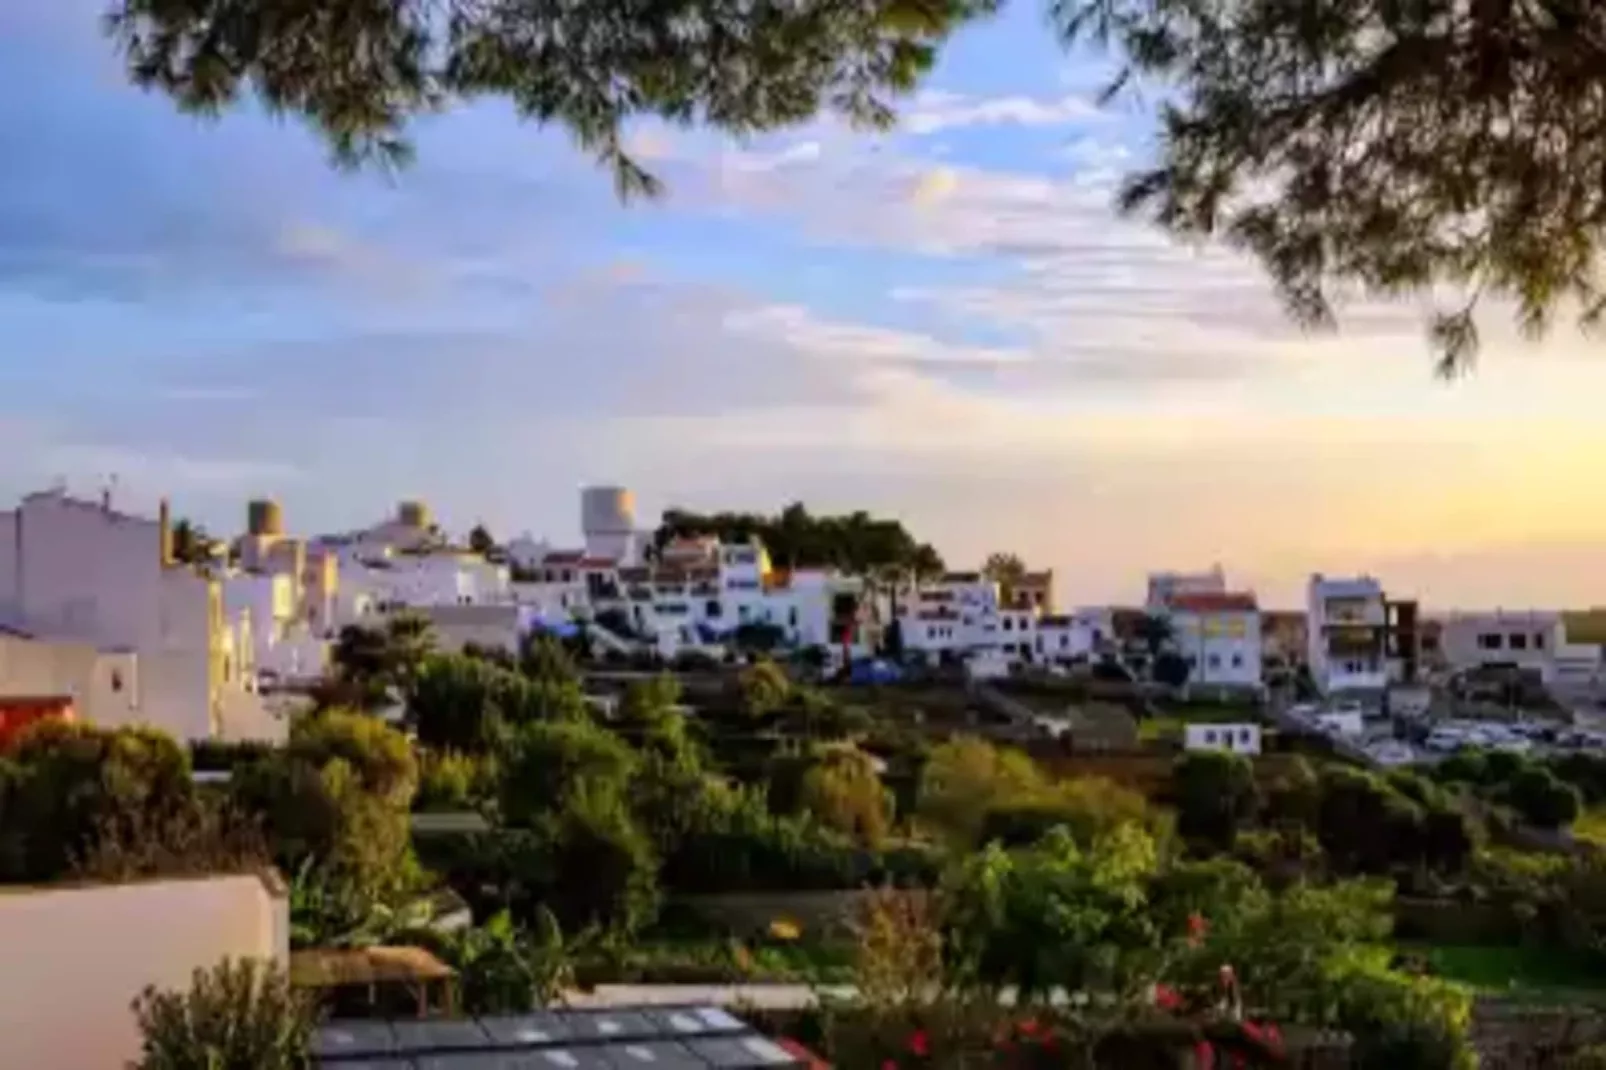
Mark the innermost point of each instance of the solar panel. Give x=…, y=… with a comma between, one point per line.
x=631, y=1038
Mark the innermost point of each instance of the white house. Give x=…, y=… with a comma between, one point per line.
x=82, y=572
x=1073, y=637
x=1347, y=632
x=1237, y=738
x=1218, y=632
x=1527, y=639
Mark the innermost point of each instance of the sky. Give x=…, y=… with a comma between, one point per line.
x=946, y=323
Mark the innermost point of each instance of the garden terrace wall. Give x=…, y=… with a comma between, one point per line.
x=73, y=958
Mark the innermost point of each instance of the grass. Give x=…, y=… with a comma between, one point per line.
x=1531, y=974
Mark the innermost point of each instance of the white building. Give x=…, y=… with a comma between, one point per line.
x=1347, y=629
x=1218, y=632
x=1236, y=738
x=1074, y=637
x=83, y=573
x=1527, y=639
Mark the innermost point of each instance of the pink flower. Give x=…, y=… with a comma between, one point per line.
x=1204, y=1056
x=1198, y=928
x=919, y=1044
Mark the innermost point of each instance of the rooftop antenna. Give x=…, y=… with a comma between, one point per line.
x=106, y=492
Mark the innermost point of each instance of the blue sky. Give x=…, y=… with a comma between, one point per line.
x=946, y=322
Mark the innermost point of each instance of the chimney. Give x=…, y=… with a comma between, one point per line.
x=164, y=521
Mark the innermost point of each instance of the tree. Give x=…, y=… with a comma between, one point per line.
x=1403, y=149
x=467, y=704
x=854, y=542
x=358, y=72
x=550, y=764
x=374, y=666
x=1155, y=632
x=1170, y=669
x=191, y=545
x=844, y=792
x=966, y=778
x=480, y=540
x=1215, y=793
x=764, y=687
x=1055, y=915
x=1004, y=569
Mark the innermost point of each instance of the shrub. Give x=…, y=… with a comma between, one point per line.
x=844, y=793
x=64, y=781
x=550, y=763
x=379, y=755
x=1542, y=799
x=239, y=1015
x=1215, y=794
x=451, y=781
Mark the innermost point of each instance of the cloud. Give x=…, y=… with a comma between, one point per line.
x=935, y=111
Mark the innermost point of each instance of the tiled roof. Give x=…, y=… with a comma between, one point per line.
x=1213, y=602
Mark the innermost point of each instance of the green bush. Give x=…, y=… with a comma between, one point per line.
x=1215, y=794
x=1541, y=799
x=65, y=782
x=450, y=782
x=549, y=763
x=239, y=1015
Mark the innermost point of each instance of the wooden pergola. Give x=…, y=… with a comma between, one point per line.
x=325, y=971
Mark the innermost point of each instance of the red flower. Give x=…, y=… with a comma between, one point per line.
x=1198, y=927
x=1028, y=1027
x=1204, y=1056
x=889, y=1065
x=1167, y=998
x=919, y=1044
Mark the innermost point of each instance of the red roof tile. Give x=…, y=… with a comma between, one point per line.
x=1213, y=602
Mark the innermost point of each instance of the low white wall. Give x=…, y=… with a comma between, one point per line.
x=72, y=960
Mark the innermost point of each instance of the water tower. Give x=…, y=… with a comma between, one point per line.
x=264, y=516
x=608, y=521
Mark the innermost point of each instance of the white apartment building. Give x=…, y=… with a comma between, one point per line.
x=1219, y=633
x=960, y=614
x=83, y=573
x=1347, y=632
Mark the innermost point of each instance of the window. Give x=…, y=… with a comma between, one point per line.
x=1243, y=736
x=1517, y=641
x=1237, y=661
x=117, y=679
x=1210, y=737
x=1489, y=641
x=1009, y=624
x=1539, y=640
x=1215, y=661
x=791, y=616
x=714, y=608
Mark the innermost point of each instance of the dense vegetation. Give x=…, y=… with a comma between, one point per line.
x=856, y=542
x=996, y=873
